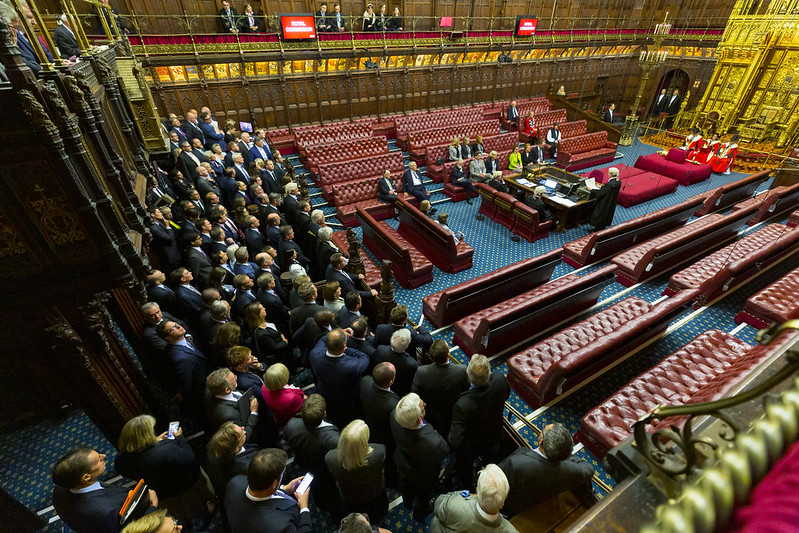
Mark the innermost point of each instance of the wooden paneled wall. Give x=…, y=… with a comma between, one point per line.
x=300, y=99
x=170, y=17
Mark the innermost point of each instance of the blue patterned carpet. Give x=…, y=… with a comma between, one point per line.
x=41, y=445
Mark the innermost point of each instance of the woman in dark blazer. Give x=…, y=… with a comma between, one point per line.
x=168, y=466
x=357, y=467
x=268, y=344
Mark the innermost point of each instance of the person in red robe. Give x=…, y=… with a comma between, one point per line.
x=724, y=158
x=529, y=128
x=709, y=148
x=692, y=143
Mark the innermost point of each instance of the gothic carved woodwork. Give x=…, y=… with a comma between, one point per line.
x=385, y=297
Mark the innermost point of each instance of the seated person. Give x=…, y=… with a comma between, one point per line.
x=443, y=219
x=248, y=23
x=529, y=128
x=385, y=188
x=536, y=475
x=454, y=152
x=459, y=179
x=553, y=138
x=515, y=160
x=534, y=201
x=528, y=157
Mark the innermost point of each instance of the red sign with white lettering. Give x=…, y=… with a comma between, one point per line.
x=298, y=27
x=525, y=26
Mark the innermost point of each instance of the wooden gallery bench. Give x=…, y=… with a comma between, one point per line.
x=732, y=193
x=410, y=267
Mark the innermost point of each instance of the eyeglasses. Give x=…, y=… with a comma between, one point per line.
x=176, y=526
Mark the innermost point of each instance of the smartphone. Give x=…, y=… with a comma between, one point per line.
x=304, y=484
x=173, y=428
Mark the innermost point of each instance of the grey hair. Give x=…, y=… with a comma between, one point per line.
x=400, y=340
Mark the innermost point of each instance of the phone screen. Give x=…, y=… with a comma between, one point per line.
x=304, y=484
x=173, y=428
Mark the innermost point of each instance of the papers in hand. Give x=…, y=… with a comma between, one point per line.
x=590, y=183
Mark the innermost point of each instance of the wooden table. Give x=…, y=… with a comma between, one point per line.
x=566, y=216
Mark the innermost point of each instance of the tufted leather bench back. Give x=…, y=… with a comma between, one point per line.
x=567, y=129
x=418, y=140
x=434, y=119
x=344, y=151
x=331, y=134
x=342, y=171
x=431, y=239
x=356, y=191
x=779, y=302
x=548, y=118
x=584, y=143
x=734, y=192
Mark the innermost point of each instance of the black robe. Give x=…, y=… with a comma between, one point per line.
x=605, y=206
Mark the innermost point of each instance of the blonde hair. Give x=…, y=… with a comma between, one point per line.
x=276, y=377
x=455, y=142
x=137, y=434
x=149, y=523
x=353, y=445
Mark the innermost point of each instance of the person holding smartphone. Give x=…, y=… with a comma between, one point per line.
x=259, y=503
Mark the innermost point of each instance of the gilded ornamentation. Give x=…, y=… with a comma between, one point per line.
x=60, y=224
x=10, y=240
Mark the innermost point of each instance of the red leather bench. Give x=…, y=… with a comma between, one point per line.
x=537, y=105
x=559, y=363
x=674, y=381
x=410, y=267
x=504, y=203
x=496, y=328
x=585, y=151
x=385, y=126
x=736, y=262
x=350, y=195
x=371, y=270
x=451, y=304
x=793, y=220
x=543, y=121
x=732, y=193
x=779, y=302
x=282, y=139
x=602, y=244
x=432, y=120
x=527, y=223
x=637, y=186
x=488, y=206
x=491, y=111
x=661, y=253
x=433, y=240
x=368, y=167
x=778, y=201
x=330, y=135
x=344, y=151
x=675, y=166
x=499, y=143
x=418, y=141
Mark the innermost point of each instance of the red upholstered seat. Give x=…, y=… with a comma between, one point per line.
x=349, y=196
x=585, y=151
x=637, y=186
x=361, y=168
x=504, y=203
x=732, y=193
x=736, y=262
x=453, y=303
x=282, y=139
x=544, y=119
x=526, y=223
x=674, y=166
x=793, y=220
x=487, y=205
x=435, y=242
x=418, y=141
x=330, y=134
x=343, y=151
x=673, y=381
x=778, y=201
x=779, y=302
x=602, y=244
x=564, y=360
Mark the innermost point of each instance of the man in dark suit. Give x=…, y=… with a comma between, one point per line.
x=212, y=133
x=477, y=417
x=361, y=339
x=188, y=162
x=672, y=107
x=65, y=40
x=307, y=293
x=440, y=385
x=660, y=103
x=82, y=502
x=311, y=437
x=188, y=299
x=189, y=368
x=272, y=178
x=404, y=363
x=276, y=311
x=420, y=338
x=241, y=172
x=229, y=16
x=385, y=188
x=419, y=455
x=536, y=475
x=197, y=259
x=335, y=272
x=459, y=179
x=338, y=370
x=537, y=152
x=164, y=240
x=608, y=116
x=244, y=296
x=377, y=401
x=192, y=128
x=260, y=150
x=156, y=346
x=222, y=405
x=351, y=310
x=287, y=243
x=513, y=113
x=412, y=184
x=257, y=499
x=159, y=293
x=252, y=236
x=322, y=24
